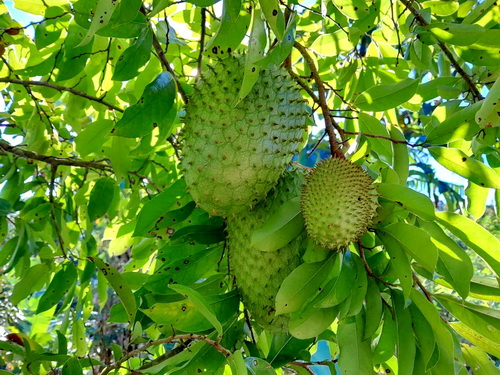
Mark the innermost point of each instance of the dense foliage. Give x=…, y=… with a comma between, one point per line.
x=109, y=266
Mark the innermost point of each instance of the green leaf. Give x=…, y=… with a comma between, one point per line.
x=231, y=31
x=400, y=158
x=72, y=367
x=150, y=111
x=485, y=244
x=359, y=288
x=455, y=33
x=479, y=361
x=274, y=17
x=256, y=46
x=200, y=303
x=405, y=338
x=374, y=309
x=456, y=264
x=332, y=44
x=285, y=224
x=485, y=343
x=32, y=280
x=487, y=115
x=441, y=8
x=415, y=242
x=485, y=288
x=476, y=202
x=460, y=125
x=280, y=52
x=370, y=125
x=354, y=9
x=302, y=284
x=153, y=209
x=355, y=356
x=386, y=341
x=426, y=340
x=92, y=137
x=257, y=366
x=284, y=349
x=399, y=261
x=409, y=199
x=311, y=321
x=457, y=161
x=62, y=282
x=121, y=288
x=339, y=288
x=134, y=57
x=101, y=197
x=237, y=363
x=429, y=90
x=382, y=97
x=100, y=18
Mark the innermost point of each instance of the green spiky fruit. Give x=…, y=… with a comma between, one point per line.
x=259, y=274
x=338, y=202
x=234, y=152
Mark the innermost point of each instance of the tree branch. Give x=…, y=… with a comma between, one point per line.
x=329, y=122
x=52, y=160
x=217, y=346
x=472, y=87
x=60, y=88
x=388, y=138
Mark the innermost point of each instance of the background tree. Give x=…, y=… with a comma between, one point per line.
x=107, y=264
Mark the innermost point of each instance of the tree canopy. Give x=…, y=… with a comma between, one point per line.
x=108, y=265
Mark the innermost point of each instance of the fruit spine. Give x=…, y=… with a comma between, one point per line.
x=338, y=202
x=234, y=153
x=259, y=274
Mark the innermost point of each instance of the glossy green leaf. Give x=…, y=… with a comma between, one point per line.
x=487, y=115
x=285, y=224
x=355, y=353
x=134, y=57
x=485, y=288
x=456, y=265
x=409, y=199
x=311, y=321
x=332, y=44
x=121, y=288
x=280, y=52
x=274, y=17
x=405, y=338
x=72, y=367
x=32, y=280
x=457, y=34
x=237, y=363
x=425, y=338
x=62, y=282
x=382, y=97
x=101, y=197
x=481, y=341
x=359, y=288
x=385, y=343
x=457, y=161
x=200, y=303
x=399, y=261
x=479, y=361
x=284, y=348
x=257, y=366
x=429, y=90
x=370, y=125
x=476, y=200
x=302, y=284
x=256, y=46
x=441, y=8
x=340, y=286
x=150, y=111
x=100, y=18
x=231, y=31
x=460, y=125
x=415, y=242
x=485, y=244
x=400, y=158
x=374, y=309
x=153, y=209
x=354, y=9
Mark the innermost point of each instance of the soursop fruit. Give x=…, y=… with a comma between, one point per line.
x=234, y=152
x=338, y=202
x=259, y=274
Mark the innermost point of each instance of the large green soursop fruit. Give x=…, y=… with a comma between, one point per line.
x=259, y=274
x=233, y=154
x=338, y=202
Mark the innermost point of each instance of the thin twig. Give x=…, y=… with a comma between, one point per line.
x=28, y=84
x=52, y=209
x=182, y=345
x=217, y=346
x=369, y=271
x=422, y=288
x=202, y=42
x=472, y=87
x=52, y=160
x=387, y=138
x=329, y=122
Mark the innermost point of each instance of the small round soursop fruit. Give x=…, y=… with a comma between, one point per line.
x=234, y=153
x=338, y=202
x=259, y=274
